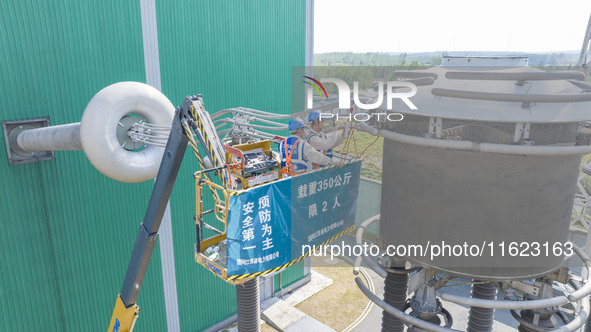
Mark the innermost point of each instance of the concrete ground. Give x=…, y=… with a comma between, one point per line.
x=282, y=315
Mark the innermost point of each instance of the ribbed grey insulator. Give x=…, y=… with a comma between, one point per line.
x=482, y=319
x=249, y=307
x=395, y=295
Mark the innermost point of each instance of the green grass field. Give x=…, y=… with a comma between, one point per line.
x=370, y=149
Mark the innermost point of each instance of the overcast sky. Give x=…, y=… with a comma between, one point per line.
x=451, y=25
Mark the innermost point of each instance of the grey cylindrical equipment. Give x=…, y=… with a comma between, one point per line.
x=482, y=319
x=62, y=137
x=484, y=188
x=248, y=305
x=445, y=197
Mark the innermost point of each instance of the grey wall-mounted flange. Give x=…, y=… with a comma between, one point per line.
x=17, y=155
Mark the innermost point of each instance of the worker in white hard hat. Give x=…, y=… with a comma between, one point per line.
x=319, y=140
x=297, y=154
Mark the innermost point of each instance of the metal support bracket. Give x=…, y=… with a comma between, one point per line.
x=435, y=125
x=518, y=134
x=524, y=288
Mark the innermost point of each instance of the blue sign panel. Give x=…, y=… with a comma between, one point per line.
x=323, y=204
x=268, y=225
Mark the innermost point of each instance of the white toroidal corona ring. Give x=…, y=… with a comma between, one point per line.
x=98, y=130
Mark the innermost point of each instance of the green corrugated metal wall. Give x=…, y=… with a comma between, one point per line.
x=247, y=63
x=285, y=278
x=67, y=231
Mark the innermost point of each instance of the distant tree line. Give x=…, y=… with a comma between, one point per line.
x=366, y=76
x=369, y=68
x=556, y=59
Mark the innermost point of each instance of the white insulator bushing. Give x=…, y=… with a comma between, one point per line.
x=98, y=130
